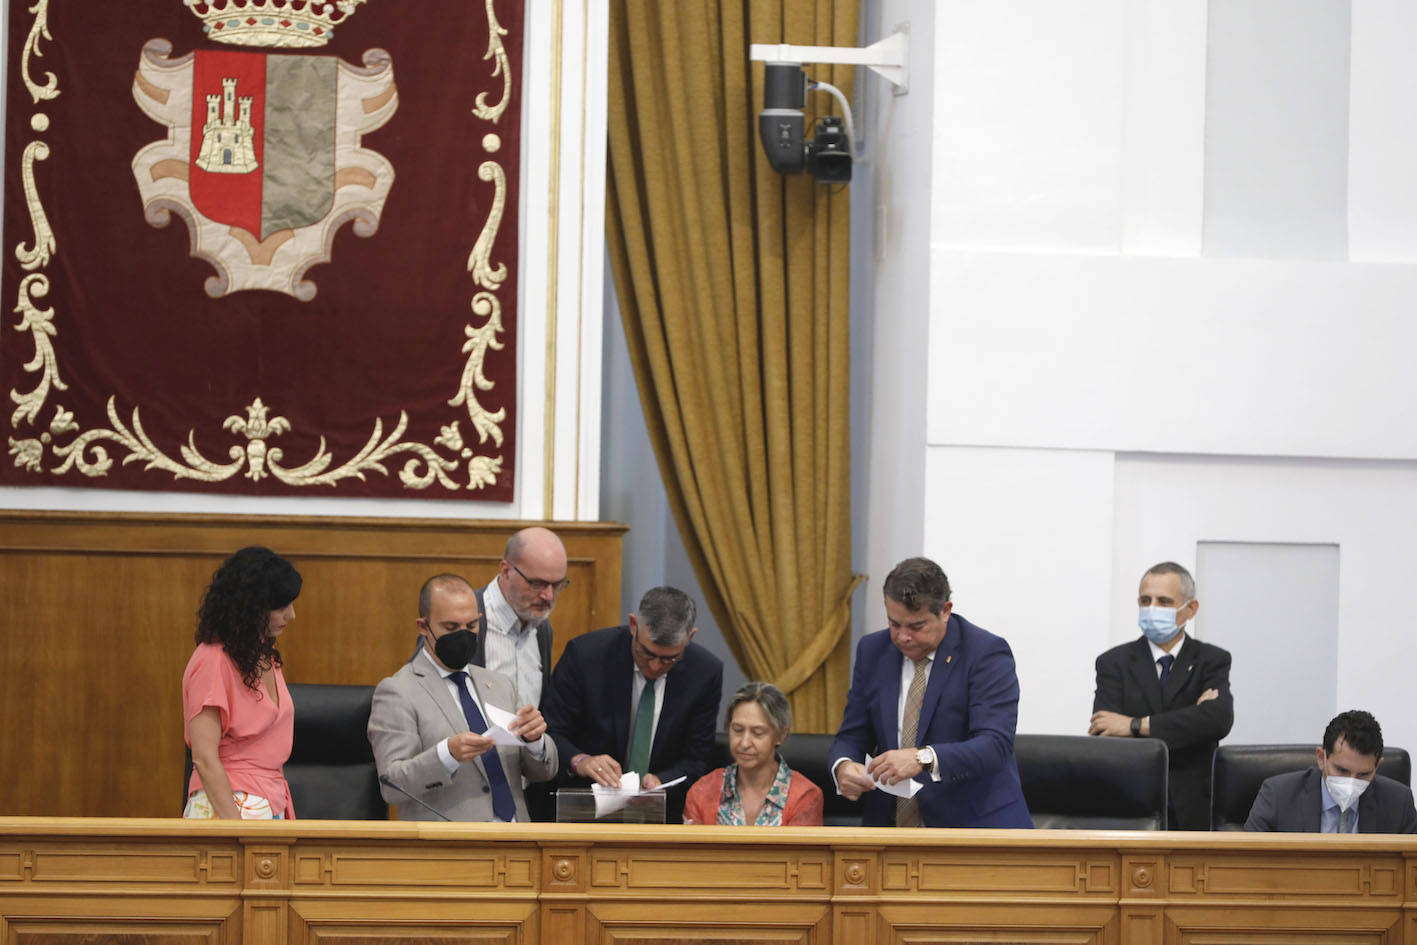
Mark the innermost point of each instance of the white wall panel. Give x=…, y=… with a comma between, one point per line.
x=1025, y=537
x=1382, y=188
x=1028, y=123
x=1173, y=355
x=1163, y=131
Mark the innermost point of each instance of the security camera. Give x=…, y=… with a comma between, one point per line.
x=782, y=127
x=781, y=124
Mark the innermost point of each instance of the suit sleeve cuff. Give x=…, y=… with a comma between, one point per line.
x=446, y=757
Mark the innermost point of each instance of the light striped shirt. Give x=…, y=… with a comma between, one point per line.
x=511, y=648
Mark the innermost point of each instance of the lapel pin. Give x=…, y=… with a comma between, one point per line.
x=950, y=657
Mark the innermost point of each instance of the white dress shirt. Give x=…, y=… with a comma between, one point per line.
x=537, y=748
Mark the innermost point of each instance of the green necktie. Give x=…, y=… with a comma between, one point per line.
x=644, y=729
x=1343, y=819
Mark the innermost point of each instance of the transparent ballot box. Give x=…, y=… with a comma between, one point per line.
x=583, y=806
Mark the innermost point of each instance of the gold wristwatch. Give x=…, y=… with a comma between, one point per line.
x=925, y=757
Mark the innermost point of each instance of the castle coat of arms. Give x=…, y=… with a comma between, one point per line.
x=264, y=159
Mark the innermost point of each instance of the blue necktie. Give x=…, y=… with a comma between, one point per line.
x=1165, y=663
x=502, y=803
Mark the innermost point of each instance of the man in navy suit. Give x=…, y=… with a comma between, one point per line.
x=1344, y=793
x=934, y=699
x=639, y=697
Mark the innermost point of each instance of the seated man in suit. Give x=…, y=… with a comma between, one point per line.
x=426, y=722
x=1167, y=685
x=1344, y=793
x=639, y=697
x=934, y=699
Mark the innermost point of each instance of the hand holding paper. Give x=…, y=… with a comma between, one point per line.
x=906, y=788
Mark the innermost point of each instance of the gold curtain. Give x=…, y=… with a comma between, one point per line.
x=732, y=282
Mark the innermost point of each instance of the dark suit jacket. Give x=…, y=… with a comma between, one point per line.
x=1127, y=683
x=587, y=709
x=1292, y=802
x=968, y=716
x=479, y=656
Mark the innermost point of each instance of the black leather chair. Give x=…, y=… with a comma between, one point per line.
x=1083, y=782
x=1238, y=771
x=331, y=769
x=806, y=753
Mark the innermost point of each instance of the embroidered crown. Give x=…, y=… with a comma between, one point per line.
x=285, y=24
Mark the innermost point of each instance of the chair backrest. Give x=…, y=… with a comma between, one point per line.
x=1084, y=782
x=331, y=769
x=806, y=753
x=1238, y=771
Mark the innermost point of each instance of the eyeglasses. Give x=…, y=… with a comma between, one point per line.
x=649, y=655
x=538, y=585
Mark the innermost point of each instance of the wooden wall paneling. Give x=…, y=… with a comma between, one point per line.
x=1256, y=924
x=97, y=614
x=671, y=920
x=81, y=881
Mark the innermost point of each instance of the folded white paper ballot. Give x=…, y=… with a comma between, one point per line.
x=905, y=788
x=499, y=723
x=608, y=799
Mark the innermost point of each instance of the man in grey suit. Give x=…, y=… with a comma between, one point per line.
x=426, y=721
x=1344, y=794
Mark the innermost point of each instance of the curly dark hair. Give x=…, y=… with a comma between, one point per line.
x=237, y=605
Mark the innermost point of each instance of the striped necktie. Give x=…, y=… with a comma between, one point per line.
x=907, y=809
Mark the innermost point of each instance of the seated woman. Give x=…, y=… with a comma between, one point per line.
x=236, y=708
x=758, y=788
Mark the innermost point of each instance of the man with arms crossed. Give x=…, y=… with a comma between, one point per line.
x=934, y=699
x=1344, y=793
x=1167, y=685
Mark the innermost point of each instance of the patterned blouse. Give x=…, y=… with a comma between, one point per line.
x=792, y=800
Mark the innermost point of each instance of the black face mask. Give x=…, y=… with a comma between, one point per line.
x=455, y=649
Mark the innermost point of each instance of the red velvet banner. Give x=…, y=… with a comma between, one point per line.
x=263, y=246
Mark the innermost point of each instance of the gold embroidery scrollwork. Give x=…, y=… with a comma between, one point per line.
x=500, y=67
x=40, y=28
x=479, y=261
x=39, y=322
x=44, y=244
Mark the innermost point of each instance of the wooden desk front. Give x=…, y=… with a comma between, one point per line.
x=173, y=882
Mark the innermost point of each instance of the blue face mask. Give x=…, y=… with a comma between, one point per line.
x=1158, y=623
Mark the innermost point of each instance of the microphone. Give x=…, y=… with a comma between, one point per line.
x=385, y=780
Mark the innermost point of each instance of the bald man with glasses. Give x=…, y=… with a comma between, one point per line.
x=640, y=697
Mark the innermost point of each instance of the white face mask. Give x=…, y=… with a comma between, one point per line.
x=1345, y=791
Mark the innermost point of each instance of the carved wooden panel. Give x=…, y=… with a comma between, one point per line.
x=1000, y=873
x=413, y=921
x=722, y=923
x=417, y=867
x=783, y=872
x=61, y=932
x=948, y=921
x=59, y=861
x=1269, y=926
x=1299, y=875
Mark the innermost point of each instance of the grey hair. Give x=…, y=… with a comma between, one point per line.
x=1188, y=583
x=770, y=699
x=667, y=614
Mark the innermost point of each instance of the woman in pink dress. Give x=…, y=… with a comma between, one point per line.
x=758, y=789
x=236, y=708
